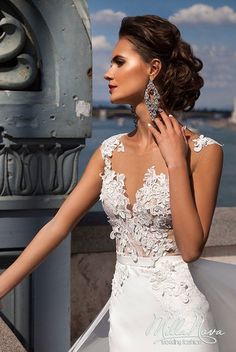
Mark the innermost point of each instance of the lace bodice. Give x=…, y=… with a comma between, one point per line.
x=142, y=231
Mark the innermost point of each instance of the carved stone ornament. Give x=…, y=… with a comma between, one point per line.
x=45, y=100
x=38, y=169
x=18, y=65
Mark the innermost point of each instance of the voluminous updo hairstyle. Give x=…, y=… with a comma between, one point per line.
x=178, y=82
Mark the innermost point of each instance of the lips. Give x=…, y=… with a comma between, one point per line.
x=111, y=86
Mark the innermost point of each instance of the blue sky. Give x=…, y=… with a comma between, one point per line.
x=209, y=26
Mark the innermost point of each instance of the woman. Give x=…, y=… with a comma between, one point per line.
x=158, y=185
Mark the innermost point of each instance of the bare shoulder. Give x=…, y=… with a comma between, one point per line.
x=95, y=163
x=211, y=158
x=97, y=156
x=206, y=152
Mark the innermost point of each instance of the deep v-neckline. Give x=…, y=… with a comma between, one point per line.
x=129, y=206
x=147, y=174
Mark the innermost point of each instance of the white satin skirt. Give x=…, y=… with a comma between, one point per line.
x=171, y=306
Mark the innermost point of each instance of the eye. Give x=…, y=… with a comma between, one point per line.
x=118, y=62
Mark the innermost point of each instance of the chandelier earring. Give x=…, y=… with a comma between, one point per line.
x=152, y=99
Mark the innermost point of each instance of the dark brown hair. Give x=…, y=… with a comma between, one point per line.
x=178, y=82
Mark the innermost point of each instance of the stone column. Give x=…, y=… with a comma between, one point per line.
x=45, y=118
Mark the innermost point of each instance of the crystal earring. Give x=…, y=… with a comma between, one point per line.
x=135, y=116
x=151, y=98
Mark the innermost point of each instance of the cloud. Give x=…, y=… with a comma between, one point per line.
x=219, y=66
x=100, y=42
x=195, y=47
x=107, y=16
x=201, y=13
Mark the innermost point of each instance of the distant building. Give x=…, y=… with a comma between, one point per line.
x=233, y=116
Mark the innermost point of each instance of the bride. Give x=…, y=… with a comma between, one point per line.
x=158, y=185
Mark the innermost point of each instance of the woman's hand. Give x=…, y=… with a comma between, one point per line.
x=171, y=140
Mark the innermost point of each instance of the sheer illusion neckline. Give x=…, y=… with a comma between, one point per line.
x=147, y=175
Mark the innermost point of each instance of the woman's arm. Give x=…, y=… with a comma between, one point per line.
x=83, y=196
x=192, y=213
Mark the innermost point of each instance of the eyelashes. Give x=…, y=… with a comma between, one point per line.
x=118, y=62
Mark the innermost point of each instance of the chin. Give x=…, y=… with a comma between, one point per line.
x=117, y=100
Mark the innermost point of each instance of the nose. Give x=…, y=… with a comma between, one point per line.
x=108, y=74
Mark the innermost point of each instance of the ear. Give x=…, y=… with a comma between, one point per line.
x=155, y=68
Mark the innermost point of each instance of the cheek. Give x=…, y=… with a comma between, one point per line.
x=134, y=79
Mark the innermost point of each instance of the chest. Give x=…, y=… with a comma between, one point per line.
x=135, y=168
x=151, y=203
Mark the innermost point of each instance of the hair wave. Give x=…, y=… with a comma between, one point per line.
x=178, y=82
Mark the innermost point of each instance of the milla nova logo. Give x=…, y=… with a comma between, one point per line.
x=164, y=329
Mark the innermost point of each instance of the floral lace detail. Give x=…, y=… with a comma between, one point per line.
x=120, y=275
x=142, y=231
x=108, y=146
x=164, y=281
x=203, y=141
x=173, y=285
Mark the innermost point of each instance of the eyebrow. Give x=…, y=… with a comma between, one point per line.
x=117, y=57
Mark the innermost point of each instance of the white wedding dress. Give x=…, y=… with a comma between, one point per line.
x=158, y=302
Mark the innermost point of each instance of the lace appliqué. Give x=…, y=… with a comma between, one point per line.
x=153, y=216
x=203, y=141
x=109, y=145
x=142, y=231
x=174, y=287
x=166, y=284
x=120, y=275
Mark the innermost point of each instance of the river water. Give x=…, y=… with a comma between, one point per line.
x=227, y=191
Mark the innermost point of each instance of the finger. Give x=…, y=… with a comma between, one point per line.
x=183, y=132
x=166, y=119
x=154, y=131
x=161, y=125
x=175, y=124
